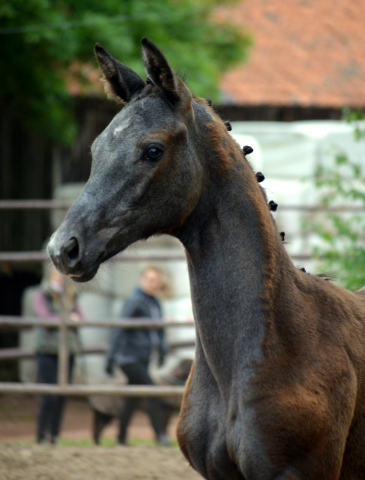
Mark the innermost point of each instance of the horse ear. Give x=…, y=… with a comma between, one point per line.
x=121, y=83
x=162, y=75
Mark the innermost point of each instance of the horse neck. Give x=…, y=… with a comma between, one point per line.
x=233, y=250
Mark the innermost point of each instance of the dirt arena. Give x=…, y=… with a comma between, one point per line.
x=76, y=458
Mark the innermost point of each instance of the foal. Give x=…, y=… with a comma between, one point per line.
x=277, y=388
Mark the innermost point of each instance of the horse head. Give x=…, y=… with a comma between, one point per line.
x=145, y=176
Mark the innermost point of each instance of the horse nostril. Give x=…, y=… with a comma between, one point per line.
x=71, y=251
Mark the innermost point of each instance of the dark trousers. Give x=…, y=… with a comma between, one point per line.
x=137, y=374
x=51, y=407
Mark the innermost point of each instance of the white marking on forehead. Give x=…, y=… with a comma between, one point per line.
x=122, y=126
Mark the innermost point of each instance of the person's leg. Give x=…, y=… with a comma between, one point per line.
x=43, y=418
x=132, y=371
x=58, y=406
x=47, y=373
x=56, y=417
x=125, y=415
x=137, y=374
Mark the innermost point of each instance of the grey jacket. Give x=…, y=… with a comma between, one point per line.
x=46, y=338
x=136, y=345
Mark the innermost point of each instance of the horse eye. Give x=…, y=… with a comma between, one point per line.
x=154, y=153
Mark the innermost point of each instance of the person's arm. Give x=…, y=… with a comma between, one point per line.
x=118, y=335
x=133, y=309
x=115, y=340
x=77, y=314
x=163, y=346
x=79, y=311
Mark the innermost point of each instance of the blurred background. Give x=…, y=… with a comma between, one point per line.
x=289, y=76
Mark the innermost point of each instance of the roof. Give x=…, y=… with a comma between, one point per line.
x=305, y=53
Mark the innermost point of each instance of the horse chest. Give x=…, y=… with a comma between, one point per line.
x=219, y=438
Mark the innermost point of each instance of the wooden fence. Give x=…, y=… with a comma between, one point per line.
x=63, y=388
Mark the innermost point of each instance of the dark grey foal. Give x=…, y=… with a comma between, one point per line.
x=278, y=387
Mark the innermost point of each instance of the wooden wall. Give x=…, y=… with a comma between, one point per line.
x=25, y=173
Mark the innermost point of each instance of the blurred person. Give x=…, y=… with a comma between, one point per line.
x=132, y=349
x=47, y=303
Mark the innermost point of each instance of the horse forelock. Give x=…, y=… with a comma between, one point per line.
x=150, y=89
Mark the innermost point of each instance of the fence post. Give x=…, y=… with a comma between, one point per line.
x=63, y=353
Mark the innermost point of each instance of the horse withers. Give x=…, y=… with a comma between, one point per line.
x=277, y=390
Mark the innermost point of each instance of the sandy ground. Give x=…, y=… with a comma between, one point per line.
x=21, y=458
x=18, y=416
x=39, y=462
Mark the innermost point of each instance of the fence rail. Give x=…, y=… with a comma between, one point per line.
x=34, y=204
x=26, y=322
x=16, y=353
x=30, y=257
x=28, y=353
x=124, y=257
x=85, y=390
x=33, y=256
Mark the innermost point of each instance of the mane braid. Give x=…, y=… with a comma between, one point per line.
x=326, y=276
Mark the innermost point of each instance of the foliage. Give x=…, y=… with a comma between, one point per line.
x=342, y=235
x=42, y=40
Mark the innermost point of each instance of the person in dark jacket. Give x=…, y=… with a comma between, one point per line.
x=131, y=350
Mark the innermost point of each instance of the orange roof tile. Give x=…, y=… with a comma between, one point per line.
x=305, y=53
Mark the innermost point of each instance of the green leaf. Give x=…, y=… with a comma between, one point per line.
x=341, y=237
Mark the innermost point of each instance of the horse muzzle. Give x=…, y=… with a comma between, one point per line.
x=71, y=258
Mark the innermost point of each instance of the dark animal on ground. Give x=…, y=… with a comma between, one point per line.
x=105, y=408
x=277, y=389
